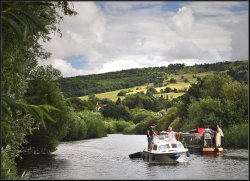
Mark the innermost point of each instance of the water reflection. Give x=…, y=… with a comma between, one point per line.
x=41, y=163
x=107, y=158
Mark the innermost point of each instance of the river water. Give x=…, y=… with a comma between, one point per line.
x=107, y=159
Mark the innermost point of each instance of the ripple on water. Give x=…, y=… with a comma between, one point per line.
x=107, y=158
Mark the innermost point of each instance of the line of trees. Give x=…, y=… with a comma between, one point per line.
x=84, y=85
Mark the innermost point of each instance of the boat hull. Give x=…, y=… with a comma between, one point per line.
x=212, y=150
x=165, y=157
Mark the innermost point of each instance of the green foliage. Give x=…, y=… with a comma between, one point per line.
x=167, y=89
x=14, y=132
x=186, y=80
x=239, y=72
x=80, y=105
x=118, y=101
x=8, y=165
x=94, y=123
x=130, y=129
x=122, y=93
x=172, y=80
x=24, y=23
x=212, y=85
x=235, y=101
x=77, y=128
x=116, y=111
x=140, y=114
x=142, y=101
x=203, y=112
x=110, y=127
x=100, y=83
x=167, y=119
x=215, y=98
x=151, y=91
x=121, y=125
x=46, y=91
x=237, y=136
x=142, y=127
x=85, y=85
x=116, y=126
x=176, y=124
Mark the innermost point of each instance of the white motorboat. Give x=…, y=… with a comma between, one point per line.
x=166, y=150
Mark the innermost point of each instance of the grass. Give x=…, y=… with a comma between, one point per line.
x=179, y=85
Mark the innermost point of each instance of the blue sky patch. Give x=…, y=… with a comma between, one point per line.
x=78, y=62
x=171, y=6
x=242, y=7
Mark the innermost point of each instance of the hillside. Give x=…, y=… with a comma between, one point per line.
x=108, y=85
x=180, y=86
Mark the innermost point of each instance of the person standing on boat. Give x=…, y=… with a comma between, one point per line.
x=207, y=136
x=150, y=135
x=221, y=134
x=171, y=134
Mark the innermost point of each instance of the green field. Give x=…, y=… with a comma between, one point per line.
x=179, y=85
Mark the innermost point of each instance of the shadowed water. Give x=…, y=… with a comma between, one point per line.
x=107, y=158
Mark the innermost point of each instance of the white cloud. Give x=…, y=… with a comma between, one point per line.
x=119, y=65
x=183, y=21
x=119, y=35
x=65, y=67
x=240, y=40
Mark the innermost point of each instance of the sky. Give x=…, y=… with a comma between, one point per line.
x=107, y=36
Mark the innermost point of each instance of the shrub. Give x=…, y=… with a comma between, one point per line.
x=94, y=123
x=130, y=129
x=172, y=80
x=8, y=165
x=236, y=136
x=116, y=126
x=122, y=93
x=77, y=128
x=186, y=80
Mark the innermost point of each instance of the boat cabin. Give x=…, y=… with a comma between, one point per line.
x=164, y=146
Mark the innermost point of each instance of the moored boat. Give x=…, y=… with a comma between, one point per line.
x=195, y=142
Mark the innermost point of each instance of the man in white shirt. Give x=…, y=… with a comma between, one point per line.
x=221, y=133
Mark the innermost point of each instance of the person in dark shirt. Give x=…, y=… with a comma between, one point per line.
x=150, y=135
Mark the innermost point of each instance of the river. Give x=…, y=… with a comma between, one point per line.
x=107, y=158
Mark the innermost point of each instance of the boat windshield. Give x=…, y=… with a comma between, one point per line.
x=176, y=145
x=164, y=147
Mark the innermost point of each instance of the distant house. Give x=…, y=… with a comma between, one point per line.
x=99, y=106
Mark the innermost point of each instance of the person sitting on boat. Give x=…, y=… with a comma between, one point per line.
x=171, y=134
x=150, y=135
x=207, y=136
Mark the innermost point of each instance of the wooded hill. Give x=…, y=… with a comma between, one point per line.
x=106, y=82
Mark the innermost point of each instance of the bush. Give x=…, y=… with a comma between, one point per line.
x=130, y=129
x=77, y=128
x=122, y=93
x=167, y=89
x=94, y=123
x=8, y=165
x=186, y=80
x=172, y=80
x=121, y=125
x=116, y=111
x=109, y=127
x=116, y=126
x=236, y=136
x=142, y=127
